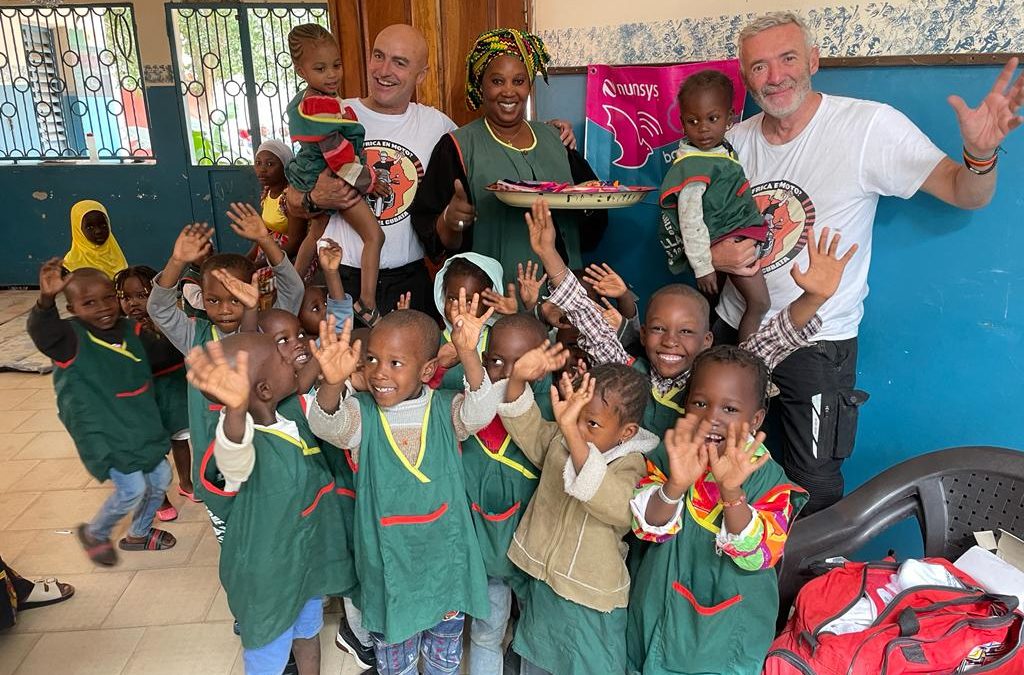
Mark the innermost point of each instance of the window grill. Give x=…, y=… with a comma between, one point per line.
x=235, y=74
x=67, y=72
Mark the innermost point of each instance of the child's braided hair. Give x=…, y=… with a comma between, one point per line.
x=624, y=388
x=305, y=33
x=734, y=355
x=144, y=273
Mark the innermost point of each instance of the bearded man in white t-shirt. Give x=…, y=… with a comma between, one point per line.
x=816, y=160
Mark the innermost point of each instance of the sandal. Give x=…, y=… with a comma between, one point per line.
x=46, y=592
x=191, y=496
x=368, y=316
x=167, y=513
x=100, y=552
x=158, y=540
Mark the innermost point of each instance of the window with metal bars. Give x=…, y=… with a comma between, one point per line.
x=235, y=74
x=69, y=79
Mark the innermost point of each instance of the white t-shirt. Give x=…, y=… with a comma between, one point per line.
x=401, y=145
x=831, y=174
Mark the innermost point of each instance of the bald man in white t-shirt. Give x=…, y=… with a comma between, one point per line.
x=816, y=160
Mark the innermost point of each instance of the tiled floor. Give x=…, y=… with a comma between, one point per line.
x=155, y=612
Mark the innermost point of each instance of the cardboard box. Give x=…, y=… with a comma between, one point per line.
x=997, y=563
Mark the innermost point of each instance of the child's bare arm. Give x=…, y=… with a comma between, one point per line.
x=466, y=330
x=821, y=278
x=330, y=253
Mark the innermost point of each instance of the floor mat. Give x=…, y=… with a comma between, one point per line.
x=16, y=349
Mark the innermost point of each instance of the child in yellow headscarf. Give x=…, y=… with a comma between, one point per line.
x=92, y=242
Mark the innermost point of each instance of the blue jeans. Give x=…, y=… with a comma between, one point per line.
x=441, y=647
x=486, y=657
x=271, y=658
x=138, y=493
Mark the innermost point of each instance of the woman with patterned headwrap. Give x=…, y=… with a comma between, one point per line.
x=452, y=211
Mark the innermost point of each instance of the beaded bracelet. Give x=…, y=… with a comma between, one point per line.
x=739, y=501
x=979, y=166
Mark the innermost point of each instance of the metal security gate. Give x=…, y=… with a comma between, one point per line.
x=235, y=79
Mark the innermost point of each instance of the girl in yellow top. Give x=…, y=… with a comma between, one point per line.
x=92, y=242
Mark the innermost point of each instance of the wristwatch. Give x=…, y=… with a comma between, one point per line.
x=308, y=204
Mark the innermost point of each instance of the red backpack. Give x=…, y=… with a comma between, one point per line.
x=924, y=629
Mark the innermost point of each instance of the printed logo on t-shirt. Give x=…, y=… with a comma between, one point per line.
x=402, y=171
x=789, y=213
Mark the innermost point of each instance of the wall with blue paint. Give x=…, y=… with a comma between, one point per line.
x=941, y=348
x=148, y=203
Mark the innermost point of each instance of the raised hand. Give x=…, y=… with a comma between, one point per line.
x=611, y=315
x=736, y=463
x=192, y=244
x=824, y=270
x=247, y=222
x=337, y=355
x=502, y=304
x=247, y=294
x=466, y=325
x=404, y=301
x=605, y=280
x=210, y=373
x=541, y=227
x=529, y=284
x=984, y=128
x=459, y=214
x=329, y=252
x=51, y=283
x=567, y=408
x=708, y=284
x=686, y=447
x=539, y=361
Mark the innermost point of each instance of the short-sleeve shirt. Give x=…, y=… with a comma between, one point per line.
x=830, y=175
x=398, y=146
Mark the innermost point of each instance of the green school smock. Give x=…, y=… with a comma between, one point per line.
x=344, y=470
x=284, y=542
x=662, y=410
x=499, y=230
x=416, y=551
x=500, y=481
x=105, y=400
x=202, y=424
x=171, y=390
x=693, y=611
x=727, y=202
x=557, y=634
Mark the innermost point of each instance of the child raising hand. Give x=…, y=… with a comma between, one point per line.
x=718, y=510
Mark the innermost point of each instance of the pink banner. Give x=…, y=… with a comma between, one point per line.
x=637, y=106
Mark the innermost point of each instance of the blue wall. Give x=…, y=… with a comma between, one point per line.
x=940, y=345
x=148, y=203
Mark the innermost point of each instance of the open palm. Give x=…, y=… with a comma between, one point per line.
x=984, y=128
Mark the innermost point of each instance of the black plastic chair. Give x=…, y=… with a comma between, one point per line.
x=952, y=493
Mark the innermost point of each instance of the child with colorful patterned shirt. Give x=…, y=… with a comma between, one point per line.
x=718, y=509
x=417, y=556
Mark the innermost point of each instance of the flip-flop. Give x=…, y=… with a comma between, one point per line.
x=167, y=513
x=100, y=552
x=191, y=496
x=47, y=592
x=158, y=540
